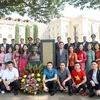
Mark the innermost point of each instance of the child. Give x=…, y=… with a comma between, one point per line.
x=1, y=82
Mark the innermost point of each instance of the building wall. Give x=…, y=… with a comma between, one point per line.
x=59, y=27
x=64, y=27
x=7, y=29
x=54, y=29
x=76, y=28
x=91, y=27
x=79, y=26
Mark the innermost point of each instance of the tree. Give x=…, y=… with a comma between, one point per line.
x=35, y=32
x=40, y=10
x=17, y=36
x=43, y=10
x=95, y=4
x=27, y=33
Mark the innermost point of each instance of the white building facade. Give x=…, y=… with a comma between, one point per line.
x=7, y=29
x=71, y=27
x=64, y=27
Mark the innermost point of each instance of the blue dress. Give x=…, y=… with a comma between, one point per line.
x=90, y=58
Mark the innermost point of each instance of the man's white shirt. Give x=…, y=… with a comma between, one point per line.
x=94, y=77
x=9, y=75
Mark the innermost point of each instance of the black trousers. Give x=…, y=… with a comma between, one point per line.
x=69, y=84
x=51, y=86
x=83, y=86
x=15, y=85
x=2, y=87
x=71, y=68
x=91, y=88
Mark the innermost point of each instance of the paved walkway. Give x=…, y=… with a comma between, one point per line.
x=46, y=96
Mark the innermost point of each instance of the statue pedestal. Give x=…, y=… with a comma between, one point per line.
x=35, y=62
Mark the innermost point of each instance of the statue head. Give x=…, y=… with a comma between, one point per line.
x=35, y=49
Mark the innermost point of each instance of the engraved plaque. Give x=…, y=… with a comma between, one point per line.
x=48, y=51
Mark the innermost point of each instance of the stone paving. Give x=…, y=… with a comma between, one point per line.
x=45, y=96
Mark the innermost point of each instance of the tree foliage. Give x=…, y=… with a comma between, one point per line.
x=95, y=4
x=40, y=10
x=43, y=10
x=27, y=33
x=35, y=32
x=17, y=36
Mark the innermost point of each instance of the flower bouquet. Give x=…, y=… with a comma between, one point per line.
x=31, y=81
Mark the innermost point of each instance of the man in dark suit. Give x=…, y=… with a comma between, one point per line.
x=94, y=79
x=38, y=44
x=61, y=55
x=21, y=44
x=30, y=44
x=76, y=44
x=57, y=43
x=6, y=46
x=85, y=43
x=68, y=44
x=12, y=45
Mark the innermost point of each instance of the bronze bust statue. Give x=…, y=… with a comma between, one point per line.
x=34, y=56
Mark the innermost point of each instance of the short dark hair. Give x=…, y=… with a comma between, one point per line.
x=58, y=37
x=4, y=39
x=61, y=42
x=21, y=39
x=38, y=38
x=69, y=38
x=62, y=62
x=76, y=37
x=94, y=61
x=77, y=63
x=12, y=39
x=10, y=62
x=49, y=63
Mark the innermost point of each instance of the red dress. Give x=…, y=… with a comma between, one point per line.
x=82, y=56
x=78, y=76
x=97, y=56
x=24, y=59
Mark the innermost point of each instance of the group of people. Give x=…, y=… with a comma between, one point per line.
x=77, y=65
x=76, y=80
x=13, y=59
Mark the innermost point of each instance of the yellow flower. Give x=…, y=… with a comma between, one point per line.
x=24, y=76
x=38, y=79
x=23, y=80
x=35, y=93
x=32, y=74
x=38, y=75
